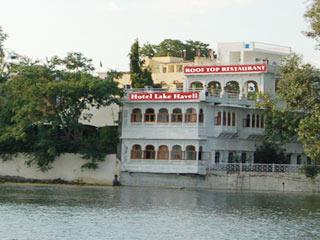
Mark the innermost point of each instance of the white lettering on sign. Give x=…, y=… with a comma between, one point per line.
x=163, y=96
x=225, y=69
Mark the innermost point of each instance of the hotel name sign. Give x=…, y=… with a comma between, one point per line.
x=164, y=96
x=245, y=68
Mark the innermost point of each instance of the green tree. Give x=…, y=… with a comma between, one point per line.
x=297, y=118
x=42, y=103
x=312, y=15
x=268, y=154
x=176, y=48
x=193, y=46
x=3, y=66
x=140, y=76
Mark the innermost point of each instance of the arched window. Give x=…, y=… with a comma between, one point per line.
x=201, y=116
x=251, y=89
x=190, y=152
x=149, y=152
x=218, y=119
x=232, y=89
x=196, y=86
x=229, y=119
x=163, y=115
x=149, y=116
x=224, y=118
x=214, y=88
x=191, y=115
x=176, y=153
x=233, y=119
x=163, y=152
x=253, y=122
x=176, y=115
x=136, y=152
x=258, y=121
x=136, y=115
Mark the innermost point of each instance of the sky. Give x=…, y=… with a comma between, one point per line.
x=105, y=29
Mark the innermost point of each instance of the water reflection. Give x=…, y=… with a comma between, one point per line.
x=63, y=212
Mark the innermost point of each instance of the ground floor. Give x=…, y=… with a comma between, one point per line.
x=195, y=155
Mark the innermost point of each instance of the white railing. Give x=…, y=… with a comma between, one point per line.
x=254, y=167
x=272, y=47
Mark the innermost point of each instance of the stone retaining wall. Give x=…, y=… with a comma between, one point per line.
x=288, y=182
x=65, y=169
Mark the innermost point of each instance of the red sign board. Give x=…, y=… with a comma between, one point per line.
x=188, y=70
x=163, y=96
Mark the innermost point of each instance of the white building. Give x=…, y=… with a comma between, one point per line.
x=214, y=119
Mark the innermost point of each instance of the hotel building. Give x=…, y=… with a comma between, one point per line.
x=214, y=119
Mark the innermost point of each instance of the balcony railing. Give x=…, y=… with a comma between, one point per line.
x=169, y=155
x=254, y=167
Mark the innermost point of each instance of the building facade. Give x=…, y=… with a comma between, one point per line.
x=214, y=119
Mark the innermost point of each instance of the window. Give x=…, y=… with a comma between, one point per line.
x=230, y=157
x=163, y=153
x=136, y=152
x=191, y=115
x=149, y=116
x=224, y=119
x=176, y=153
x=262, y=121
x=149, y=152
x=201, y=116
x=243, y=157
x=164, y=70
x=163, y=115
x=179, y=68
x=288, y=159
x=253, y=122
x=217, y=157
x=200, y=154
x=246, y=121
x=190, y=152
x=176, y=115
x=171, y=68
x=299, y=159
x=136, y=115
x=218, y=119
x=233, y=119
x=258, y=121
x=229, y=119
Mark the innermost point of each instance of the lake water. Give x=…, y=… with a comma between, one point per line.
x=34, y=212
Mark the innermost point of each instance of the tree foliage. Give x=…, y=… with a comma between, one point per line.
x=41, y=105
x=176, y=48
x=299, y=116
x=140, y=76
x=268, y=154
x=312, y=15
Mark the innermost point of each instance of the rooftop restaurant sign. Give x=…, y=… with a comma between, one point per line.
x=188, y=70
x=163, y=96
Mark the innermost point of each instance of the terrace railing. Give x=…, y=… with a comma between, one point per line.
x=254, y=167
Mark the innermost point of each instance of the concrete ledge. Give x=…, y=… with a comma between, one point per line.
x=281, y=182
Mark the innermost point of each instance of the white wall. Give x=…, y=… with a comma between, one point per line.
x=67, y=167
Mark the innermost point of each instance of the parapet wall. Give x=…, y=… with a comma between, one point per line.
x=66, y=168
x=287, y=182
